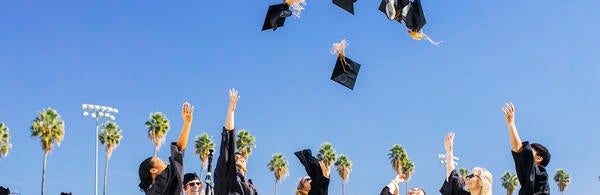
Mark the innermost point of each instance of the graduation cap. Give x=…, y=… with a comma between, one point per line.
x=276, y=15
x=393, y=9
x=345, y=70
x=347, y=5
x=411, y=13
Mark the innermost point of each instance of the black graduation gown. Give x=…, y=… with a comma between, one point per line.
x=228, y=178
x=319, y=184
x=385, y=191
x=170, y=181
x=454, y=185
x=533, y=178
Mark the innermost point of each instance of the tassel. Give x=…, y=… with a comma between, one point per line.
x=339, y=49
x=297, y=6
x=420, y=35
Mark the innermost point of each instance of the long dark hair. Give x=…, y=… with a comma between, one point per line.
x=145, y=176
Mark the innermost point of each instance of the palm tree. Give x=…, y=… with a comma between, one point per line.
x=562, y=179
x=278, y=165
x=396, y=156
x=50, y=128
x=344, y=166
x=4, y=140
x=327, y=154
x=463, y=173
x=408, y=167
x=509, y=182
x=110, y=137
x=203, y=144
x=158, y=127
x=245, y=143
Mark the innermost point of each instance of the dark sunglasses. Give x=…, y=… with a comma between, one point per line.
x=471, y=176
x=194, y=183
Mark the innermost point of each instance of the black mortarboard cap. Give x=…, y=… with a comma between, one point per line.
x=347, y=5
x=276, y=16
x=189, y=177
x=398, y=5
x=415, y=18
x=345, y=72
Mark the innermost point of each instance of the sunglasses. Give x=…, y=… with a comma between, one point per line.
x=471, y=176
x=191, y=184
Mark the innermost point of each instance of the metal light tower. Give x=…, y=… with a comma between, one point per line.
x=442, y=158
x=98, y=112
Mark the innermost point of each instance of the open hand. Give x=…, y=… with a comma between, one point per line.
x=509, y=113
x=187, y=111
x=233, y=99
x=449, y=142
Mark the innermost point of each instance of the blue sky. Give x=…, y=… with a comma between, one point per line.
x=147, y=56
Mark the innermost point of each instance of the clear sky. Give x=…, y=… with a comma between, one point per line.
x=147, y=56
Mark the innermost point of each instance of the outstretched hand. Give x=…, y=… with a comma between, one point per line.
x=509, y=113
x=449, y=142
x=233, y=99
x=326, y=170
x=187, y=111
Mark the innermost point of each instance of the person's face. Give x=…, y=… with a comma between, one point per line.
x=416, y=191
x=193, y=187
x=240, y=161
x=159, y=166
x=306, y=183
x=473, y=181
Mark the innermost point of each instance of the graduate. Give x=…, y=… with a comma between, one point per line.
x=479, y=182
x=230, y=172
x=156, y=176
x=317, y=182
x=530, y=159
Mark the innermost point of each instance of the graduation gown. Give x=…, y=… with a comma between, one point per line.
x=171, y=179
x=454, y=185
x=319, y=184
x=533, y=178
x=229, y=180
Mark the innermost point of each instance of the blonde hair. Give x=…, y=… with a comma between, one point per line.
x=486, y=180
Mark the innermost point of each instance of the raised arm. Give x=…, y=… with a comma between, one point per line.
x=449, y=146
x=233, y=98
x=515, y=140
x=187, y=113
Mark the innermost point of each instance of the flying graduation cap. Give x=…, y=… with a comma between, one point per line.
x=277, y=13
x=411, y=13
x=347, y=5
x=345, y=70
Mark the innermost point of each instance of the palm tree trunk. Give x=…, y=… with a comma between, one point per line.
x=508, y=192
x=155, y=148
x=201, y=169
x=105, y=172
x=44, y=171
x=406, y=186
x=275, y=186
x=342, y=187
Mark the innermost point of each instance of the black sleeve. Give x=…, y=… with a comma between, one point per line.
x=454, y=185
x=319, y=183
x=176, y=163
x=524, y=164
x=385, y=191
x=226, y=162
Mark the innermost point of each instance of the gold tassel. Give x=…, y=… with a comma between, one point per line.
x=339, y=49
x=420, y=35
x=297, y=6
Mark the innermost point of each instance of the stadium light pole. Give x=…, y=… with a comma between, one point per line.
x=98, y=112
